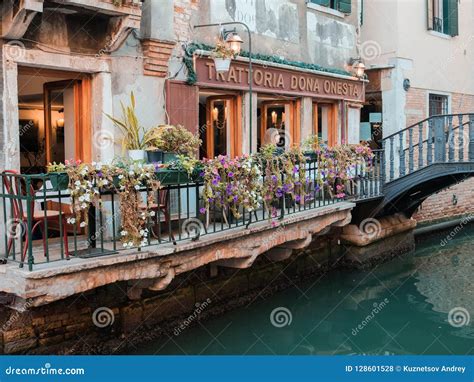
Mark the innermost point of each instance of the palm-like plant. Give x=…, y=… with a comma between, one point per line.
x=129, y=126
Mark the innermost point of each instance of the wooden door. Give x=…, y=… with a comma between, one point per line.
x=82, y=119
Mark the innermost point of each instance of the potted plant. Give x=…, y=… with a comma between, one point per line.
x=131, y=130
x=172, y=141
x=58, y=176
x=222, y=56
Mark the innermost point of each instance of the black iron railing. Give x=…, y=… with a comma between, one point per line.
x=40, y=224
x=437, y=139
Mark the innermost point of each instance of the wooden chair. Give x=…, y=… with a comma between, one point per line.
x=163, y=207
x=16, y=191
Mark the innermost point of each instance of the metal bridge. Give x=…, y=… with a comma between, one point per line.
x=420, y=161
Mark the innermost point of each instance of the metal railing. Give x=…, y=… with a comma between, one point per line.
x=438, y=139
x=37, y=213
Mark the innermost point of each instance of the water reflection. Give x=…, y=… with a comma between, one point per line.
x=337, y=315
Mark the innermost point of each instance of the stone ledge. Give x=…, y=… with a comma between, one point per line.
x=158, y=266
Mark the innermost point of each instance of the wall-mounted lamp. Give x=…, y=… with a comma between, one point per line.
x=60, y=123
x=358, y=67
x=233, y=41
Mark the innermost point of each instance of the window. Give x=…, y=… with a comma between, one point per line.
x=343, y=6
x=325, y=122
x=438, y=104
x=443, y=16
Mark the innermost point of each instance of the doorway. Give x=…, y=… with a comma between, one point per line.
x=54, y=117
x=220, y=118
x=279, y=122
x=325, y=122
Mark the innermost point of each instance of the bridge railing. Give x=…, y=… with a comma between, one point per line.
x=438, y=139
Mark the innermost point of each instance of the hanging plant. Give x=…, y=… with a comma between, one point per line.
x=86, y=181
x=232, y=184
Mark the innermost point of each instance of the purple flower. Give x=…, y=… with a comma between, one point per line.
x=231, y=174
x=295, y=169
x=235, y=198
x=297, y=198
x=201, y=174
x=202, y=210
x=274, y=178
x=99, y=174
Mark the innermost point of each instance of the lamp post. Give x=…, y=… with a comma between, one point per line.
x=234, y=42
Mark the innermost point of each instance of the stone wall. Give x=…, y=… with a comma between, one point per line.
x=104, y=319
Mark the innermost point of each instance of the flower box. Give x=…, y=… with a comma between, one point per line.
x=59, y=180
x=169, y=177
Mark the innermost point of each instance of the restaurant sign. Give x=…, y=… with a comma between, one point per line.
x=278, y=81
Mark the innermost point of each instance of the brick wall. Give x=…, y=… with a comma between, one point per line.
x=456, y=200
x=183, y=10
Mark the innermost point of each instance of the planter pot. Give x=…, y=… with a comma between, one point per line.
x=59, y=180
x=222, y=64
x=136, y=155
x=154, y=156
x=311, y=155
x=168, y=177
x=169, y=157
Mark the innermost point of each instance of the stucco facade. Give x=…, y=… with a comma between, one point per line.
x=399, y=47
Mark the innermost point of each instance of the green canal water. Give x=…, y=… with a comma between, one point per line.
x=400, y=307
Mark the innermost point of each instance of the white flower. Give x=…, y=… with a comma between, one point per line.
x=105, y=182
x=131, y=172
x=84, y=206
x=137, y=187
x=142, y=232
x=120, y=176
x=71, y=220
x=152, y=213
x=77, y=183
x=83, y=224
x=124, y=233
x=81, y=198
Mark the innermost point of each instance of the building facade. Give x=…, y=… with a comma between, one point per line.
x=420, y=62
x=67, y=64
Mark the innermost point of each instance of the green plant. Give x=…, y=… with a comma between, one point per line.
x=222, y=51
x=172, y=139
x=129, y=126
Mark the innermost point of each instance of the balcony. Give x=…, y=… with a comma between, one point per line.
x=41, y=226
x=119, y=16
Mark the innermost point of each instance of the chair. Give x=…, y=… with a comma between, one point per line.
x=162, y=206
x=16, y=191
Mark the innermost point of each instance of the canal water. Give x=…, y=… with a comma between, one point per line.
x=400, y=307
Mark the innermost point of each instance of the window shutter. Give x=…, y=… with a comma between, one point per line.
x=429, y=14
x=324, y=3
x=450, y=17
x=344, y=6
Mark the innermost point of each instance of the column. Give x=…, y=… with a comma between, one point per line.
x=246, y=123
x=306, y=118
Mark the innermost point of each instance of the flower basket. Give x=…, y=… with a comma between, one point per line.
x=169, y=177
x=59, y=180
x=222, y=64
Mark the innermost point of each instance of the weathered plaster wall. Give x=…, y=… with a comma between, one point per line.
x=286, y=28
